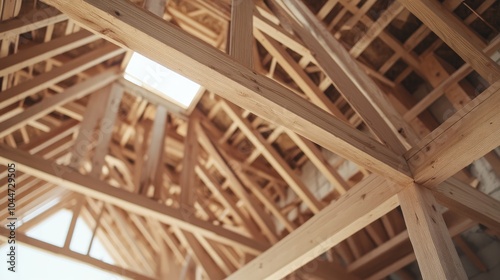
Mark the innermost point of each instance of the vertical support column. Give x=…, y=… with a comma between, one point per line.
x=190, y=160
x=155, y=150
x=432, y=244
x=105, y=129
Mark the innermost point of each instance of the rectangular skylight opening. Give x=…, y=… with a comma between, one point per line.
x=154, y=77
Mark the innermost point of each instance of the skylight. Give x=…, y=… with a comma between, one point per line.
x=150, y=75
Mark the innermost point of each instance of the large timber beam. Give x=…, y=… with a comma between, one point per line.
x=461, y=139
x=163, y=42
x=469, y=202
x=366, y=202
x=66, y=253
x=66, y=177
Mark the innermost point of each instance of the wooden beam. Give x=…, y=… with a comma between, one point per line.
x=49, y=104
x=376, y=28
x=29, y=224
x=435, y=159
x=126, y=230
x=225, y=199
x=255, y=211
x=224, y=253
x=264, y=199
x=80, y=202
x=153, y=98
x=454, y=78
x=212, y=270
x=96, y=226
x=106, y=125
x=63, y=252
x=35, y=19
x=471, y=255
x=64, y=176
x=364, y=203
x=59, y=74
x=469, y=202
x=117, y=19
x=86, y=137
x=298, y=74
x=358, y=89
x=189, y=161
x=111, y=240
x=274, y=158
x=155, y=150
x=41, y=52
x=166, y=236
x=214, y=255
x=456, y=225
x=318, y=159
x=240, y=32
x=456, y=35
x=280, y=35
x=397, y=247
x=436, y=254
x=394, y=266
x=39, y=143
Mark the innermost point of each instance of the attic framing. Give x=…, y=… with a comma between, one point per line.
x=215, y=182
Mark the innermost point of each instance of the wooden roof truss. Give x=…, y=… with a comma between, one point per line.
x=342, y=89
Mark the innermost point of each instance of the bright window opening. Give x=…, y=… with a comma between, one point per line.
x=148, y=74
x=34, y=263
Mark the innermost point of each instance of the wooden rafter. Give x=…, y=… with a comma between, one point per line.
x=215, y=185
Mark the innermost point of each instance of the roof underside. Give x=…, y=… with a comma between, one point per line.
x=337, y=114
